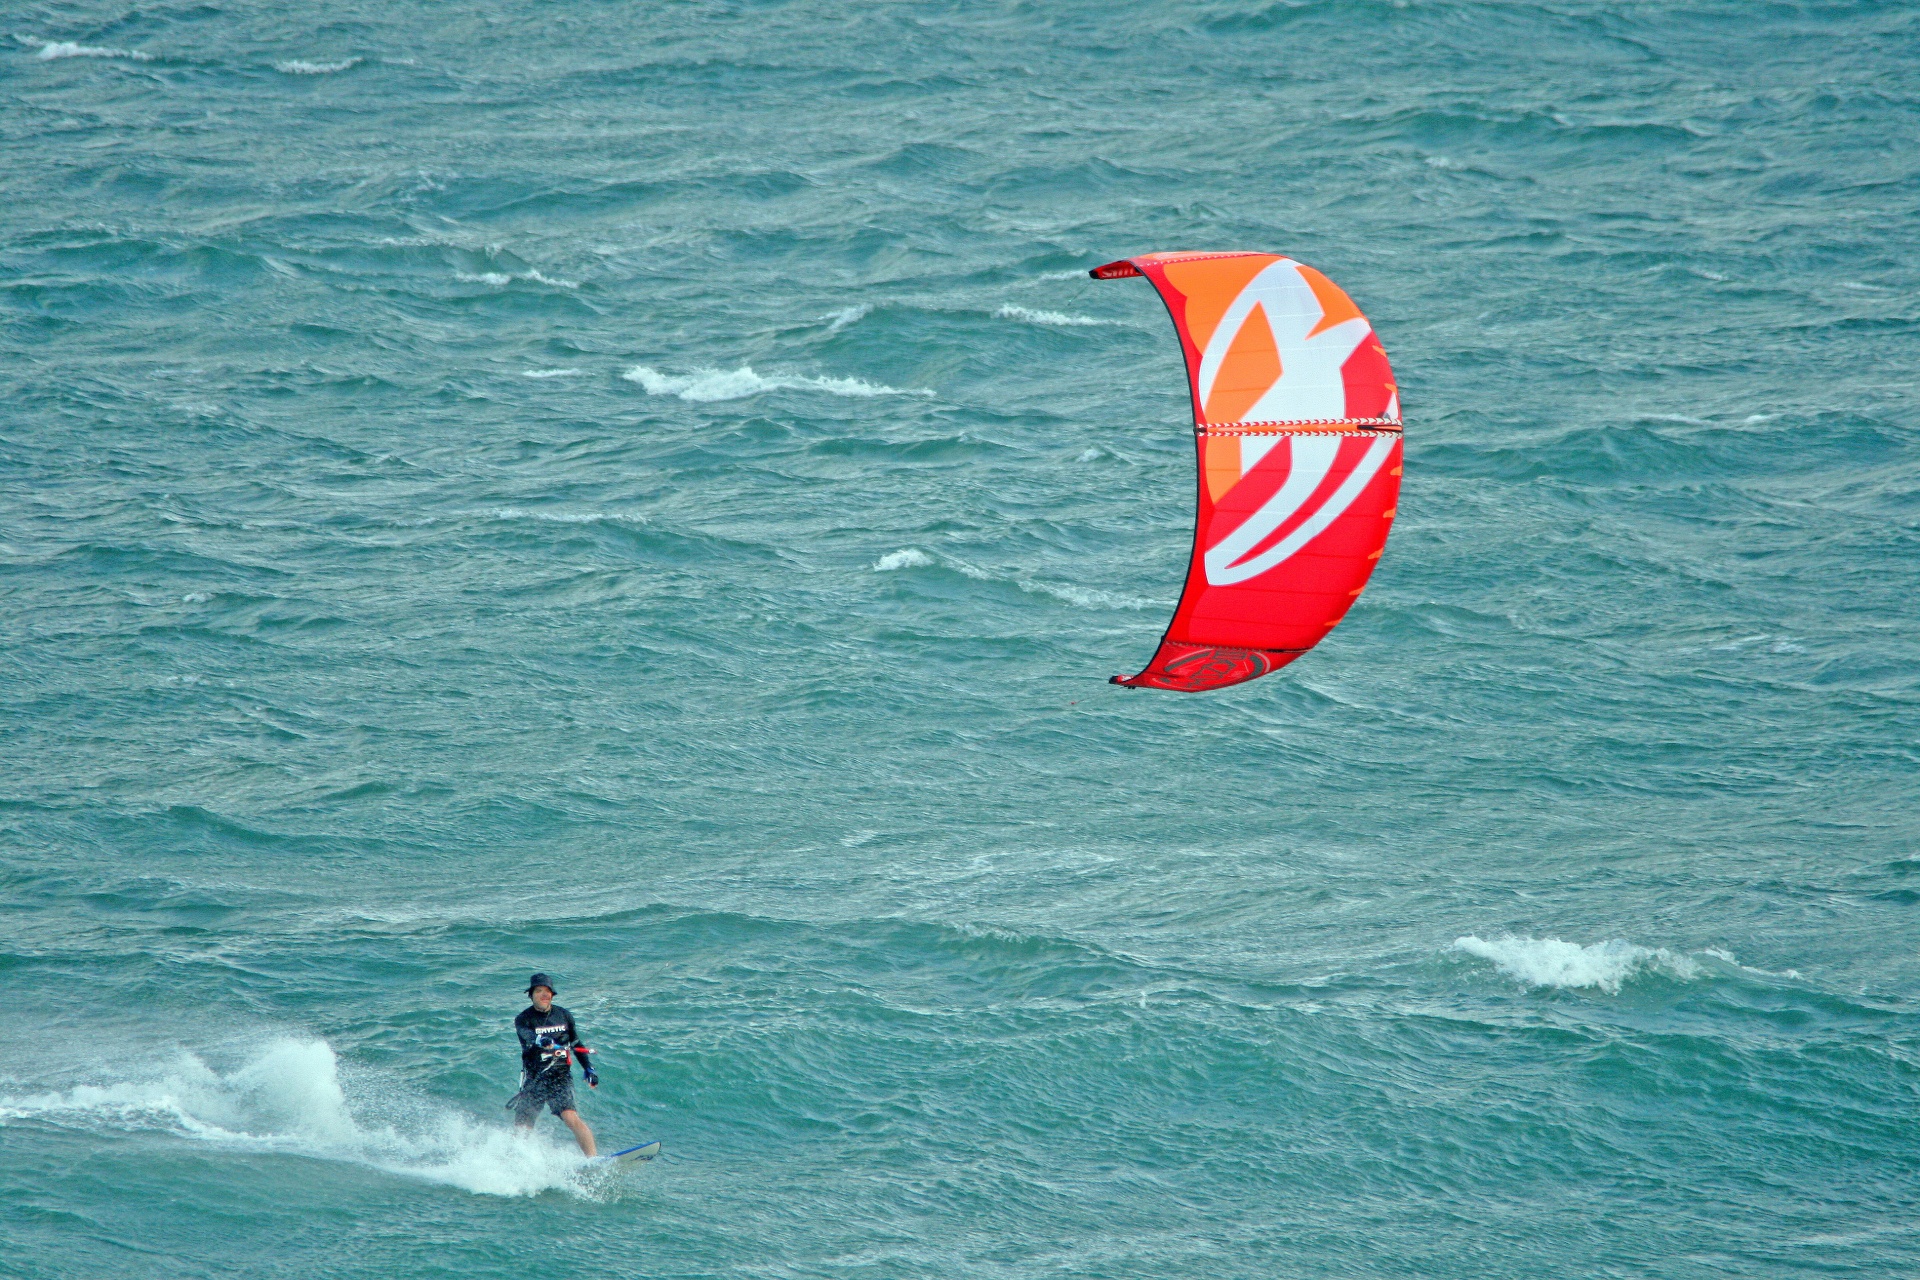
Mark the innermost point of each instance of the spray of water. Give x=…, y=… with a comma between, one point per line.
x=290, y=1097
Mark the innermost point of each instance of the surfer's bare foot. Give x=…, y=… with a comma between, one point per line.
x=580, y=1131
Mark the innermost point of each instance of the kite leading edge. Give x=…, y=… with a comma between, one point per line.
x=1297, y=423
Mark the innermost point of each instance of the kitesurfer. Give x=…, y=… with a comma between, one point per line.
x=549, y=1042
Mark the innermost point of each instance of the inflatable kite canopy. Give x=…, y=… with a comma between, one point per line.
x=1297, y=422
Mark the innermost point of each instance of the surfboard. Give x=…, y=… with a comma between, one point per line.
x=632, y=1155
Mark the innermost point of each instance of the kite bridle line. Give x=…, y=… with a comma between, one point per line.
x=1320, y=426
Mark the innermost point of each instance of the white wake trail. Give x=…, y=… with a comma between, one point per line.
x=290, y=1098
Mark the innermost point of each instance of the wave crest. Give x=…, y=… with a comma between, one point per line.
x=68, y=49
x=904, y=558
x=1066, y=592
x=848, y=315
x=1059, y=318
x=296, y=67
x=1084, y=597
x=501, y=279
x=1549, y=962
x=706, y=385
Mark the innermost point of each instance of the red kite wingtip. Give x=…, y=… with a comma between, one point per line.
x=1195, y=668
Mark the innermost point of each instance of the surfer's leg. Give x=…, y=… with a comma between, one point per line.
x=526, y=1106
x=572, y=1120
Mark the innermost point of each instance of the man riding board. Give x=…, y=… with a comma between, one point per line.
x=548, y=1045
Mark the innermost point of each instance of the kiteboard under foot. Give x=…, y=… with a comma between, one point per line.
x=632, y=1155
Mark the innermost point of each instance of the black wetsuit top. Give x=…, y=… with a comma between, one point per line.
x=557, y=1025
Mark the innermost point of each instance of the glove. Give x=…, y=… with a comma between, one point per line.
x=593, y=1080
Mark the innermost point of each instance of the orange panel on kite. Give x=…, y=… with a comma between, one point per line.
x=1297, y=422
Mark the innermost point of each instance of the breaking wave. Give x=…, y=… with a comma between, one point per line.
x=296, y=67
x=905, y=558
x=501, y=279
x=1085, y=597
x=68, y=49
x=1031, y=316
x=1066, y=592
x=568, y=517
x=1549, y=962
x=706, y=385
x=848, y=315
x=290, y=1098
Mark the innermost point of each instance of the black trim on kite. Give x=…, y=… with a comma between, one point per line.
x=1127, y=267
x=1199, y=470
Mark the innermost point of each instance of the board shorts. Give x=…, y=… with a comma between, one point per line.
x=552, y=1090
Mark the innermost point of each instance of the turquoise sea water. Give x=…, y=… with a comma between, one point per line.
x=648, y=493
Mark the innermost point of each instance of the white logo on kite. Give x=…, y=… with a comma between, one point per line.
x=1313, y=457
x=1310, y=359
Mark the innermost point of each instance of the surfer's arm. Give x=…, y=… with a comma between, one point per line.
x=529, y=1051
x=580, y=1052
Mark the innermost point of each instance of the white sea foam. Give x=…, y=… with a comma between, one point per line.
x=1549, y=962
x=1780, y=644
x=848, y=315
x=551, y=373
x=290, y=1098
x=296, y=67
x=707, y=385
x=1726, y=957
x=68, y=49
x=904, y=558
x=501, y=279
x=568, y=517
x=1030, y=316
x=1073, y=273
x=1081, y=597
x=1086, y=597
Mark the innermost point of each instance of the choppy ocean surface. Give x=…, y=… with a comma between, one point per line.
x=649, y=493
